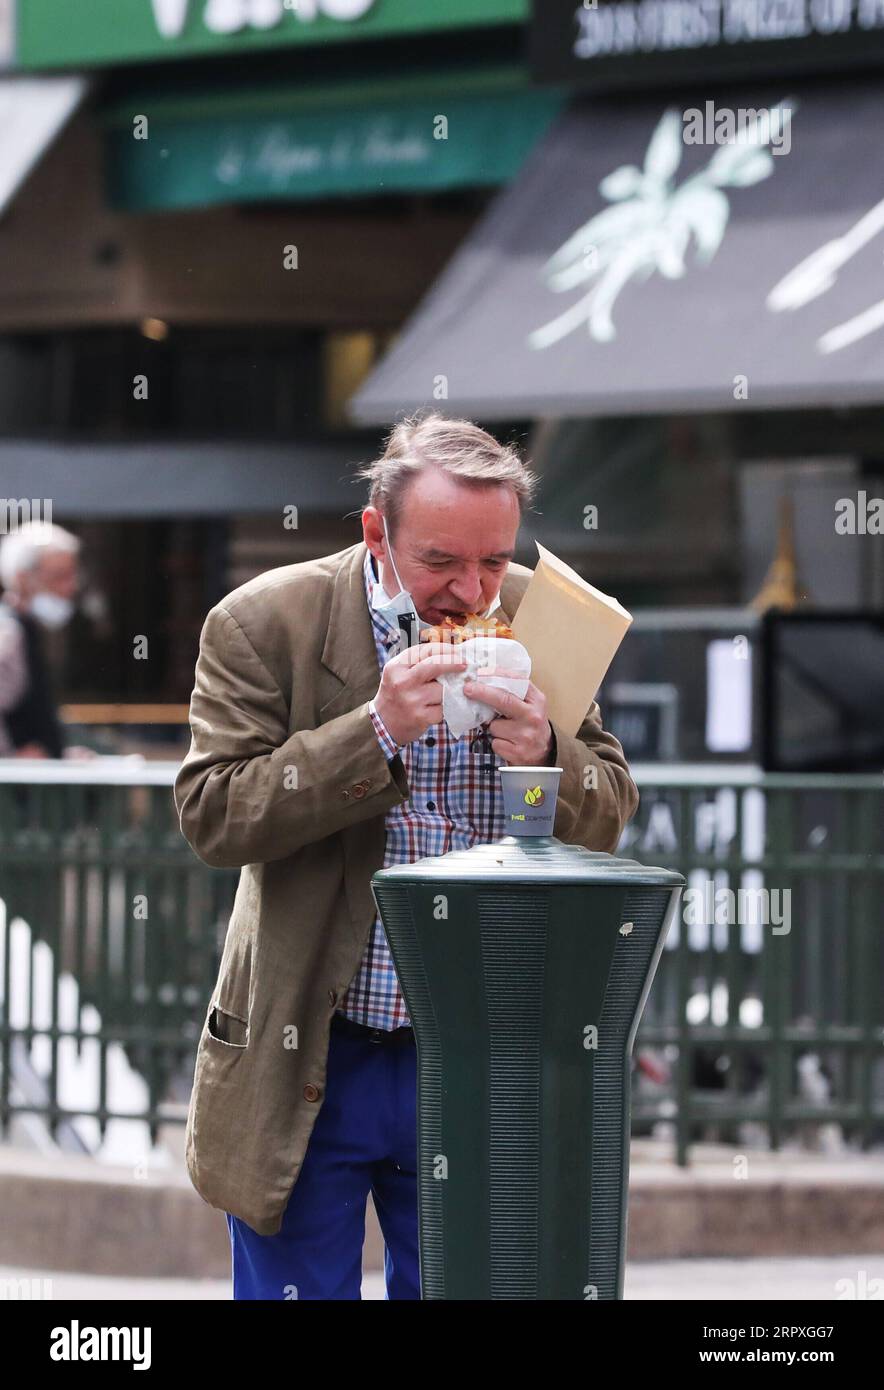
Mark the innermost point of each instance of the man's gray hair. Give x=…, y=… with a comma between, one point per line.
x=22, y=549
x=459, y=447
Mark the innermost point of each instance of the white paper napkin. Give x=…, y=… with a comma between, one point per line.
x=461, y=713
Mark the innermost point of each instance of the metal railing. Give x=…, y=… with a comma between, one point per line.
x=768, y=1005
x=767, y=1008
x=110, y=944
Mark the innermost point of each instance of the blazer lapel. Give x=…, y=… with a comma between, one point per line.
x=349, y=651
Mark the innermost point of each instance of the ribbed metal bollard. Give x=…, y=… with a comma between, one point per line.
x=525, y=966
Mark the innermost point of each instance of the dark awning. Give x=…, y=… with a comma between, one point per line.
x=628, y=270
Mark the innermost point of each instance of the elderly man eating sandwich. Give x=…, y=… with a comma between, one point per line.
x=319, y=753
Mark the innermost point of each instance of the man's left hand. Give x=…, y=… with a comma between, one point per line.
x=523, y=735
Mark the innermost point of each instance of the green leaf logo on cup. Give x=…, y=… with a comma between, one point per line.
x=530, y=796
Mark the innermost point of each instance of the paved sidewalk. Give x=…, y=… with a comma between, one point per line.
x=728, y=1205
x=659, y=1280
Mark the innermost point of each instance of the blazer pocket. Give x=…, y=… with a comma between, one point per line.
x=231, y=1007
x=226, y=1028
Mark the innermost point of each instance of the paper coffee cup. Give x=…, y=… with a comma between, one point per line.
x=529, y=799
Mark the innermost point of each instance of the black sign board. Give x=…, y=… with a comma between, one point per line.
x=613, y=43
x=823, y=692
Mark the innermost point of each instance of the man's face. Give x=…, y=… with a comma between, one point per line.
x=452, y=545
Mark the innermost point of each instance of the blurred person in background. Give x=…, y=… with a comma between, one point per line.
x=39, y=571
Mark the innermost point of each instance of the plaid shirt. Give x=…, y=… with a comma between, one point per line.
x=454, y=803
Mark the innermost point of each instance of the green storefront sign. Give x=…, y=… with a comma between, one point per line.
x=72, y=33
x=414, y=133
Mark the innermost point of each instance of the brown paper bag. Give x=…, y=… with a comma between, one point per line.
x=571, y=631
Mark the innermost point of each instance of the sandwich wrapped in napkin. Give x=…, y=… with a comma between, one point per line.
x=483, y=643
x=565, y=631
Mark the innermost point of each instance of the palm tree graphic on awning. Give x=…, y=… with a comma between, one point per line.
x=652, y=221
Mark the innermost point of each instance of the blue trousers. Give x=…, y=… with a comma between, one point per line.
x=364, y=1140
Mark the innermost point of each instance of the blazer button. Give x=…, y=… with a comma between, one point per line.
x=311, y=1092
x=358, y=791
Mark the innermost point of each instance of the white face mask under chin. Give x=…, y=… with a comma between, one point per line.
x=401, y=610
x=51, y=609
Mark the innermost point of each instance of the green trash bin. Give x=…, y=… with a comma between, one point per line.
x=525, y=965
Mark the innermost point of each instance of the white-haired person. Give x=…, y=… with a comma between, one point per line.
x=39, y=571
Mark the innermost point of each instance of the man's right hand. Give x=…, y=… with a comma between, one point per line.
x=409, y=697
